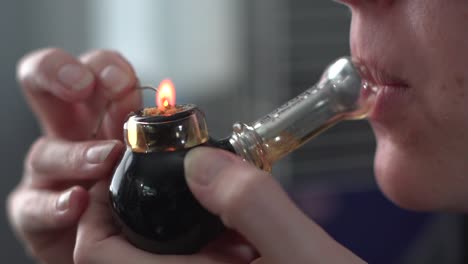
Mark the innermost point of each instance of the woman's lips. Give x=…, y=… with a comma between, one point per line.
x=391, y=94
x=389, y=104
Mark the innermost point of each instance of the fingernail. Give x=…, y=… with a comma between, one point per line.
x=114, y=78
x=204, y=165
x=98, y=154
x=63, y=202
x=74, y=76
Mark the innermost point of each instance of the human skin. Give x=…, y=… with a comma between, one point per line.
x=60, y=220
x=416, y=51
x=68, y=96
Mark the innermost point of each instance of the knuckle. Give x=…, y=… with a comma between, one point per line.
x=32, y=160
x=11, y=204
x=33, y=61
x=21, y=206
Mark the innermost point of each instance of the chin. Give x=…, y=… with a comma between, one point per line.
x=408, y=181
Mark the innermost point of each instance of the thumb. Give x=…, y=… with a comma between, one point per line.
x=253, y=203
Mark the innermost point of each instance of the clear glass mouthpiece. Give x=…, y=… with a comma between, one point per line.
x=341, y=94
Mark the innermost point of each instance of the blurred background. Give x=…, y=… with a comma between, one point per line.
x=237, y=60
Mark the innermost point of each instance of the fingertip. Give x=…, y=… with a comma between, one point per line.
x=79, y=199
x=116, y=152
x=99, y=192
x=102, y=152
x=222, y=182
x=203, y=167
x=119, y=145
x=57, y=72
x=100, y=158
x=117, y=81
x=76, y=78
x=33, y=210
x=118, y=113
x=130, y=102
x=52, y=160
x=71, y=204
x=114, y=73
x=203, y=164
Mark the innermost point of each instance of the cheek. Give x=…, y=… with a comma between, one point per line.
x=424, y=166
x=445, y=107
x=423, y=163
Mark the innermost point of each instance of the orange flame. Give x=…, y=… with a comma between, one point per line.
x=166, y=95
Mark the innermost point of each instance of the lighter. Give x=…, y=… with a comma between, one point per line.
x=149, y=196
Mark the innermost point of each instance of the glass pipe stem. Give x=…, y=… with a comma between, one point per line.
x=340, y=94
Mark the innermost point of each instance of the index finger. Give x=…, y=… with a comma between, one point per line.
x=115, y=93
x=51, y=79
x=52, y=161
